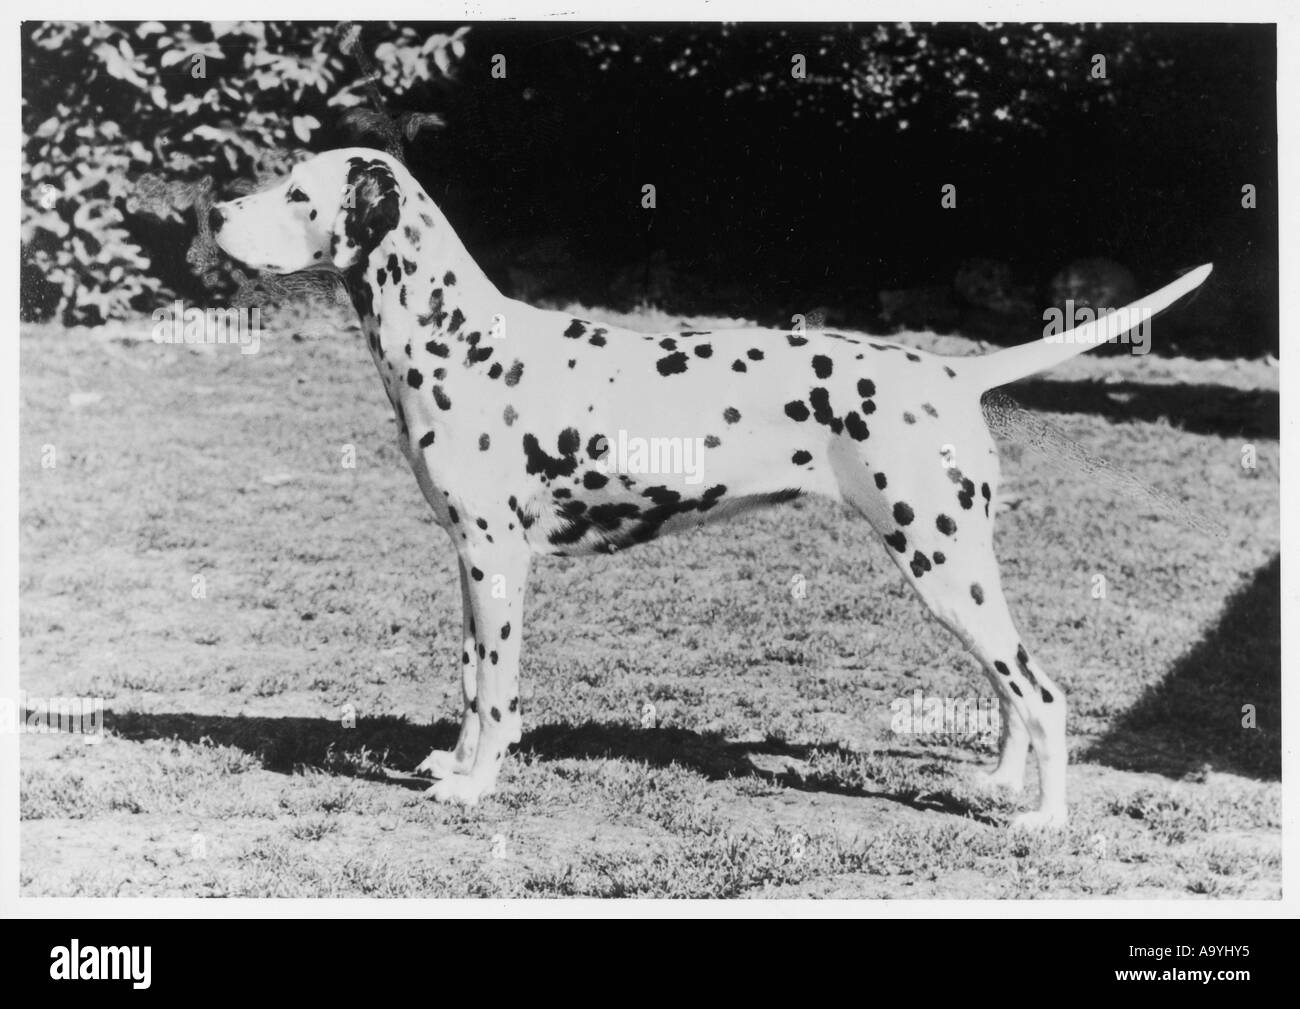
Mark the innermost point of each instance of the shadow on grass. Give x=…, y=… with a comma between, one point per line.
x=1192, y=719
x=388, y=747
x=1199, y=409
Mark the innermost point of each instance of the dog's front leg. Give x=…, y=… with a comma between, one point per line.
x=496, y=582
x=442, y=763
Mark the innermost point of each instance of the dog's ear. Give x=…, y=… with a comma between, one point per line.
x=369, y=208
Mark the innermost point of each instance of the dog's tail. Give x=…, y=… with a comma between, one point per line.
x=1005, y=366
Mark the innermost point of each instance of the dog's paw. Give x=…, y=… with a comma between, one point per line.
x=443, y=764
x=459, y=788
x=1041, y=819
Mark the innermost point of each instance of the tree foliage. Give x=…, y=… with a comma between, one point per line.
x=105, y=104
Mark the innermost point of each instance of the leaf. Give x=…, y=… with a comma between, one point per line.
x=303, y=125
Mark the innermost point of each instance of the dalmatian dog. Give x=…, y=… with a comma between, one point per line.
x=509, y=416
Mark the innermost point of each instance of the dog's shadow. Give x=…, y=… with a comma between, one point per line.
x=1190, y=721
x=1220, y=705
x=385, y=748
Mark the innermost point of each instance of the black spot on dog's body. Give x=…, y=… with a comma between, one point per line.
x=731, y=415
x=881, y=482
x=939, y=557
x=668, y=343
x=448, y=279
x=738, y=365
x=866, y=388
x=440, y=398
x=476, y=574
x=949, y=371
x=598, y=338
x=1001, y=667
x=711, y=496
x=593, y=480
x=455, y=515
x=856, y=426
x=436, y=315
x=704, y=350
x=515, y=373
x=920, y=564
x=897, y=540
x=929, y=409
x=457, y=320
x=575, y=330
x=754, y=354
x=437, y=349
x=977, y=593
x=495, y=371
x=822, y=413
x=822, y=366
x=426, y=440
x=796, y=410
x=1015, y=688
x=414, y=379
x=673, y=364
x=913, y=357
x=662, y=495
x=484, y=442
x=611, y=516
x=801, y=458
x=908, y=418
x=903, y=513
x=796, y=341
x=945, y=525
x=1022, y=660
x=712, y=441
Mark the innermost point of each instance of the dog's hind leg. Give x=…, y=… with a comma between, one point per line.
x=937, y=526
x=441, y=763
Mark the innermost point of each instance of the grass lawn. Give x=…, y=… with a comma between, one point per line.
x=200, y=557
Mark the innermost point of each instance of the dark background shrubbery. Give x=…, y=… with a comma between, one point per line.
x=774, y=195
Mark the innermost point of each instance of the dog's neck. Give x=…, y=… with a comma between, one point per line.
x=420, y=270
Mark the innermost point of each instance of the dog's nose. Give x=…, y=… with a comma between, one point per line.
x=216, y=219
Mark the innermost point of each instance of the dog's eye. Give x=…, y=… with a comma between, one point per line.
x=298, y=196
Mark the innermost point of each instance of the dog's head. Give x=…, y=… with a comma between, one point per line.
x=334, y=208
